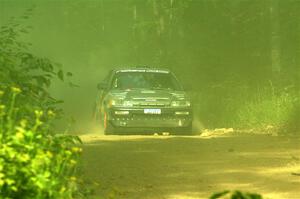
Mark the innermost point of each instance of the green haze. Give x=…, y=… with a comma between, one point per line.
x=239, y=58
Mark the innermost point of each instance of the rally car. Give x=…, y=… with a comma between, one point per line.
x=143, y=99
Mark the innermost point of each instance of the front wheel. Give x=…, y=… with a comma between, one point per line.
x=184, y=130
x=108, y=128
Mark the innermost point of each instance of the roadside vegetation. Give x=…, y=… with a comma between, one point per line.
x=267, y=109
x=35, y=161
x=235, y=195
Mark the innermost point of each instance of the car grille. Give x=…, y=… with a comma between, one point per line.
x=151, y=102
x=152, y=117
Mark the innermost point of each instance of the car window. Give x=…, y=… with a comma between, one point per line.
x=148, y=80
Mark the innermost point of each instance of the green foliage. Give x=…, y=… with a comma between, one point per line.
x=33, y=162
x=20, y=68
x=267, y=109
x=235, y=195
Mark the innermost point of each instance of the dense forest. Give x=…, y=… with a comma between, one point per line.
x=238, y=58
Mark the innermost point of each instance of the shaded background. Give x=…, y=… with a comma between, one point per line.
x=230, y=54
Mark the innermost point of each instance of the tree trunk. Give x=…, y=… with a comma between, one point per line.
x=275, y=37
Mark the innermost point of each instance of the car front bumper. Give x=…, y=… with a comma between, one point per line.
x=136, y=117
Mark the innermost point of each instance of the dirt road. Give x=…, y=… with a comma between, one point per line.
x=174, y=167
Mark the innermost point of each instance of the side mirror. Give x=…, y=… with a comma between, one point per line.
x=102, y=86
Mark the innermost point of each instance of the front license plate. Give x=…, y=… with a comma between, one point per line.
x=152, y=111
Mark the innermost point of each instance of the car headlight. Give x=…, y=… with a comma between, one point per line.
x=115, y=102
x=127, y=103
x=182, y=103
x=120, y=102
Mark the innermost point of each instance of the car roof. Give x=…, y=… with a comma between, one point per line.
x=142, y=69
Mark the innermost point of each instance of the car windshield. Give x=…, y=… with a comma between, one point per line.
x=148, y=80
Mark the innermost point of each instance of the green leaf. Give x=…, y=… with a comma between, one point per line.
x=219, y=195
x=60, y=75
x=69, y=74
x=25, y=17
x=237, y=195
x=254, y=196
x=72, y=85
x=24, y=31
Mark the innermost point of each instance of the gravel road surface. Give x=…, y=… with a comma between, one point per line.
x=194, y=167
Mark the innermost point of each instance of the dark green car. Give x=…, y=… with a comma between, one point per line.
x=143, y=99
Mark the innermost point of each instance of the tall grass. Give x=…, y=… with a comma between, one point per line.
x=247, y=108
x=266, y=109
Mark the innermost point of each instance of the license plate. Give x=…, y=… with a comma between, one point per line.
x=152, y=111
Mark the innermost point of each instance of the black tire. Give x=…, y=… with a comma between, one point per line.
x=108, y=128
x=184, y=130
